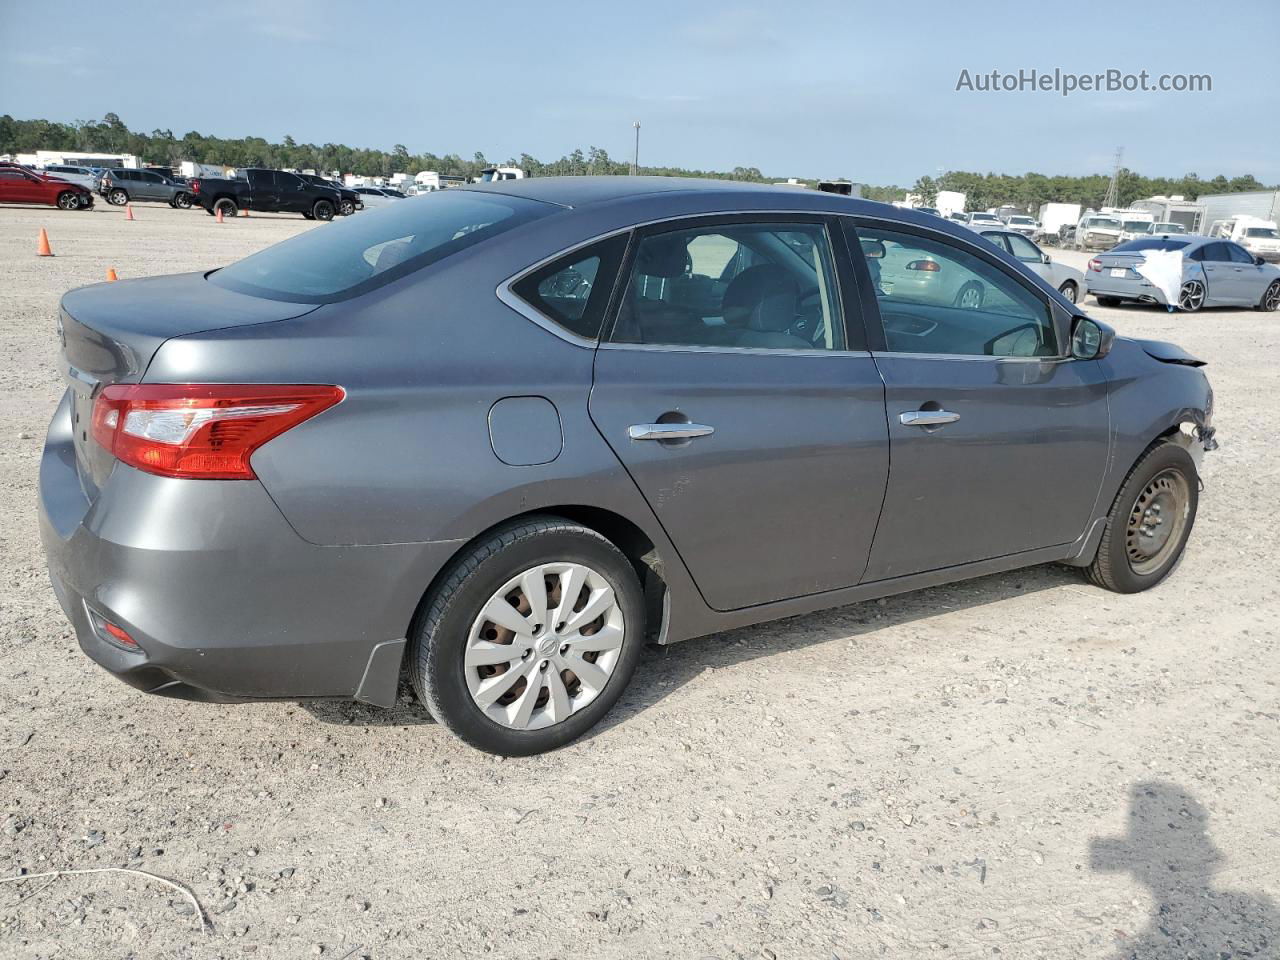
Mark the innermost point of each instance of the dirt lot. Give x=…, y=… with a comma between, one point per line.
x=1022, y=765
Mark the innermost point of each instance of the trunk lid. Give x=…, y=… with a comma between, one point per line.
x=110, y=332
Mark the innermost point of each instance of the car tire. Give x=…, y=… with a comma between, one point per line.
x=322, y=210
x=1071, y=291
x=348, y=208
x=546, y=552
x=970, y=296
x=1107, y=301
x=182, y=201
x=1149, y=522
x=68, y=200
x=117, y=197
x=1270, y=298
x=1191, y=296
x=307, y=215
x=227, y=206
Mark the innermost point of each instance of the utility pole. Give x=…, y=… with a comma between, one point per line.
x=635, y=157
x=1112, y=198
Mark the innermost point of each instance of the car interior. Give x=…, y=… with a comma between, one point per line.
x=754, y=286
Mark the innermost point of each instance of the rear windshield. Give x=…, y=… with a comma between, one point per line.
x=337, y=261
x=1149, y=243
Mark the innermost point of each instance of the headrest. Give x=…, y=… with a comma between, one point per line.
x=763, y=297
x=664, y=256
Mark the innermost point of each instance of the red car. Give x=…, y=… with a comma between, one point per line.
x=18, y=184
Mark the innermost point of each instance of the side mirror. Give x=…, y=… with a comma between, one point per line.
x=1259, y=261
x=1090, y=339
x=1044, y=258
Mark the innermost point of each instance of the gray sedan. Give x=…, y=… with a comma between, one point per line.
x=501, y=437
x=1215, y=273
x=1068, y=281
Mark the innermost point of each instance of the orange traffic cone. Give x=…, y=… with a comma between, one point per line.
x=128, y=211
x=111, y=274
x=219, y=215
x=244, y=212
x=42, y=245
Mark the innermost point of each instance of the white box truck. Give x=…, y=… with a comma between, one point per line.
x=1054, y=216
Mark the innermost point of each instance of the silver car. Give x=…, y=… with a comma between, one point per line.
x=1068, y=281
x=85, y=176
x=498, y=438
x=1215, y=273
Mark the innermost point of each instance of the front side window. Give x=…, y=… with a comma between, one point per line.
x=360, y=253
x=574, y=290
x=756, y=286
x=938, y=298
x=1023, y=249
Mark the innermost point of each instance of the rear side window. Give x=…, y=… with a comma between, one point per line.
x=344, y=260
x=574, y=290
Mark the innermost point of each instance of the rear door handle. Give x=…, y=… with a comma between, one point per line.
x=668, y=431
x=927, y=418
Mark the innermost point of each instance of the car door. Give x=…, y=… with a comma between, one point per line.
x=16, y=186
x=1219, y=274
x=1249, y=280
x=997, y=440
x=292, y=193
x=744, y=407
x=264, y=193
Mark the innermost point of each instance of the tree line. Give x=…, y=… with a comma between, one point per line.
x=163, y=148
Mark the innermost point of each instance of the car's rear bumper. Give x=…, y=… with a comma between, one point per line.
x=1123, y=288
x=224, y=600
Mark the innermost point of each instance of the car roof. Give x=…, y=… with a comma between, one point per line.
x=585, y=191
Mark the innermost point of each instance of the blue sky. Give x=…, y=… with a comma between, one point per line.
x=854, y=89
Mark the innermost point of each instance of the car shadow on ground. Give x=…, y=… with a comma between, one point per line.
x=1168, y=850
x=665, y=669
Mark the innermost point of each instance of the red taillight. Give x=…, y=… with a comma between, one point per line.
x=195, y=186
x=201, y=430
x=928, y=266
x=1095, y=265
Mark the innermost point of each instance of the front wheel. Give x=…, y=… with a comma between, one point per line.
x=68, y=200
x=530, y=638
x=1070, y=291
x=1149, y=522
x=1271, y=298
x=323, y=210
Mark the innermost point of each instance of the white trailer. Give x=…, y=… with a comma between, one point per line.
x=1054, y=216
x=949, y=202
x=1175, y=209
x=1262, y=204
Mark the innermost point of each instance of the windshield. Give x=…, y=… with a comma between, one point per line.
x=1264, y=233
x=1137, y=226
x=1102, y=223
x=346, y=259
x=1169, y=228
x=1149, y=243
x=1024, y=221
x=985, y=217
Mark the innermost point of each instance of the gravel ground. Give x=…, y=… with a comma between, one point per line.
x=1021, y=765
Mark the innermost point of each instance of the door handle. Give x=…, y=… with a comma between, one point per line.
x=668, y=431
x=927, y=418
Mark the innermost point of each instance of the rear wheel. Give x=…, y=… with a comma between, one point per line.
x=182, y=201
x=1107, y=301
x=970, y=296
x=530, y=638
x=227, y=206
x=1191, y=296
x=1271, y=298
x=68, y=200
x=1149, y=522
x=323, y=210
x=1070, y=291
x=117, y=197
